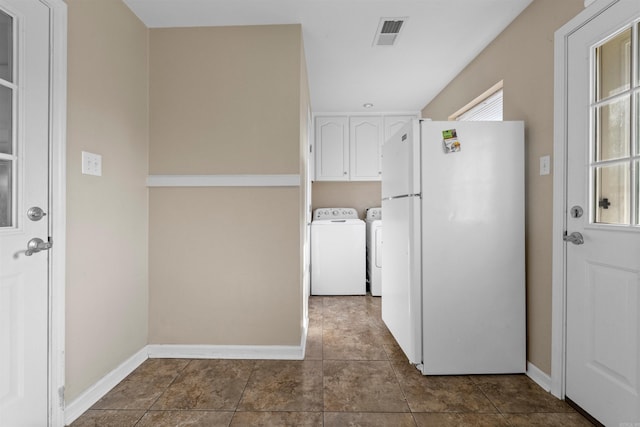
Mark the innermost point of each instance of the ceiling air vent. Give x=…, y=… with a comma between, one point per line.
x=388, y=31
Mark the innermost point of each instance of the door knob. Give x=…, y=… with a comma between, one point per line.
x=575, y=238
x=36, y=245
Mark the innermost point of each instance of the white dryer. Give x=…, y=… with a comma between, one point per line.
x=337, y=252
x=374, y=251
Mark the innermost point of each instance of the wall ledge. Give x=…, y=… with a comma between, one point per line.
x=290, y=180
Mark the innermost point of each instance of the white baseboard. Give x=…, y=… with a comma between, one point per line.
x=94, y=393
x=303, y=339
x=538, y=376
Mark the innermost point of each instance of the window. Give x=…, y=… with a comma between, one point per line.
x=615, y=152
x=8, y=158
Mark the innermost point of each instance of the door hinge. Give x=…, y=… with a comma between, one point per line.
x=310, y=148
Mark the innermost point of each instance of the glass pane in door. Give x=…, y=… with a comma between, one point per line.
x=613, y=66
x=636, y=151
x=613, y=130
x=637, y=206
x=6, y=47
x=612, y=201
x=6, y=193
x=6, y=120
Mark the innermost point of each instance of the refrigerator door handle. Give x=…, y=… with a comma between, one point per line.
x=403, y=196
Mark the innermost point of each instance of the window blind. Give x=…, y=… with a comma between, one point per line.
x=489, y=109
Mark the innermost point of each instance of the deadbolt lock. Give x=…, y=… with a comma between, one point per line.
x=576, y=212
x=35, y=213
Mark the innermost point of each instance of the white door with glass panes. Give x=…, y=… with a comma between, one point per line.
x=602, y=224
x=365, y=142
x=332, y=148
x=24, y=225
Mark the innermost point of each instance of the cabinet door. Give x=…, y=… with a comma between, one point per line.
x=332, y=149
x=366, y=135
x=393, y=124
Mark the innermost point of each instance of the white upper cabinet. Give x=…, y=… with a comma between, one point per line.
x=365, y=142
x=349, y=148
x=393, y=124
x=332, y=148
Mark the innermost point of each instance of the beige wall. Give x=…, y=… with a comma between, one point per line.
x=107, y=217
x=522, y=56
x=225, y=100
x=225, y=262
x=360, y=195
x=219, y=274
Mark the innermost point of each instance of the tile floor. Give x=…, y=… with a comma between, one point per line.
x=354, y=374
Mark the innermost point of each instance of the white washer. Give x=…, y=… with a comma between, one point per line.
x=337, y=252
x=374, y=251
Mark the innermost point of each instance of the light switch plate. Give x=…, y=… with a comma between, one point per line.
x=91, y=164
x=545, y=165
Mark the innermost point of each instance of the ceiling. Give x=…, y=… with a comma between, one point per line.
x=346, y=70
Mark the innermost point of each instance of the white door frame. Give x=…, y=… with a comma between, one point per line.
x=57, y=193
x=559, y=274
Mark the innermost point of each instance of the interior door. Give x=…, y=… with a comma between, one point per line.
x=603, y=232
x=24, y=189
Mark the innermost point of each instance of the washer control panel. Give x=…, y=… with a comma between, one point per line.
x=335, y=213
x=374, y=214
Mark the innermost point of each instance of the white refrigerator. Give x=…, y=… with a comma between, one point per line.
x=453, y=282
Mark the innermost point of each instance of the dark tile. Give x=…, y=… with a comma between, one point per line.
x=284, y=385
x=369, y=419
x=108, y=418
x=352, y=344
x=566, y=419
x=440, y=393
x=361, y=386
x=316, y=309
x=159, y=372
x=459, y=420
x=186, y=419
x=364, y=380
x=313, y=350
x=356, y=304
x=143, y=387
x=518, y=394
x=350, y=312
x=395, y=353
x=207, y=384
x=268, y=419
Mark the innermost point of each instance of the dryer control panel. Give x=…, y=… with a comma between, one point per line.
x=335, y=213
x=374, y=214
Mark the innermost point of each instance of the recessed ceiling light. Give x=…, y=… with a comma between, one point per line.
x=368, y=105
